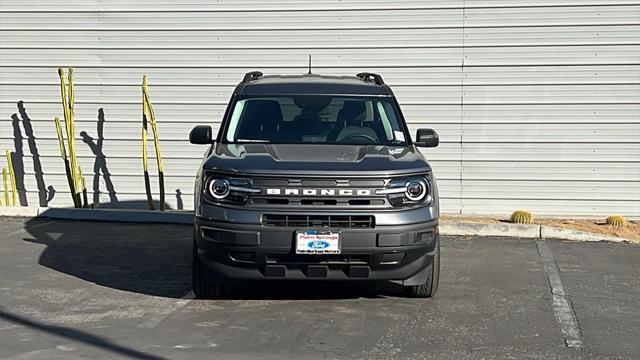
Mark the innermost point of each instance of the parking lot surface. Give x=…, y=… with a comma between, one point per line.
x=108, y=290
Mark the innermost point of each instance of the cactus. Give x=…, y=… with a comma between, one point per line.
x=67, y=92
x=616, y=220
x=12, y=179
x=148, y=115
x=5, y=181
x=521, y=217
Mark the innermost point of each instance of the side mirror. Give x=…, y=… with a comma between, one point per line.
x=427, y=138
x=201, y=134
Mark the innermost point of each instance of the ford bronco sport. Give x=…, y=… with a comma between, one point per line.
x=315, y=178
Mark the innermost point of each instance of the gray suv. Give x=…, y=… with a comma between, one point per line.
x=315, y=178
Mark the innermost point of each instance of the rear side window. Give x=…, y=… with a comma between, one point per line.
x=316, y=119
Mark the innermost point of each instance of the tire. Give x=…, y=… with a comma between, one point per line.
x=202, y=287
x=429, y=288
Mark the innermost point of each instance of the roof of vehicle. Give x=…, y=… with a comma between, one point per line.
x=254, y=83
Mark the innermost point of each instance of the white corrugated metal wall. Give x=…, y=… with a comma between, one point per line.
x=537, y=102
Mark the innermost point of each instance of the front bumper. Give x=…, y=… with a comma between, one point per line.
x=232, y=251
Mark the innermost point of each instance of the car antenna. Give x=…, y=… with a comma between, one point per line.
x=309, y=63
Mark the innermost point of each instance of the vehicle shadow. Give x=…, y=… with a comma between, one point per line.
x=311, y=290
x=155, y=259
x=152, y=259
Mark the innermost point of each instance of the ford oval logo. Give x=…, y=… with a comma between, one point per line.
x=318, y=244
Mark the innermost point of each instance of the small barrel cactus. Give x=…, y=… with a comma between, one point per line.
x=616, y=220
x=521, y=217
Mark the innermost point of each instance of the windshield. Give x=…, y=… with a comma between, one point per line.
x=316, y=119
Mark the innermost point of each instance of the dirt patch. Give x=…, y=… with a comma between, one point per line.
x=631, y=231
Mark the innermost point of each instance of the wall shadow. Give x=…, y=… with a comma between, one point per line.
x=152, y=259
x=45, y=195
x=179, y=202
x=100, y=162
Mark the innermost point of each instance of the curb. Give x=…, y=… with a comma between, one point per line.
x=523, y=231
x=186, y=218
x=19, y=211
x=476, y=229
x=550, y=232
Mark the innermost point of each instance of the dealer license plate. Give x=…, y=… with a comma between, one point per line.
x=317, y=242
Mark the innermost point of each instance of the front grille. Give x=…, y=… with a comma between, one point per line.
x=290, y=193
x=315, y=221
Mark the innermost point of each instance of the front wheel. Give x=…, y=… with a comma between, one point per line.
x=202, y=287
x=429, y=288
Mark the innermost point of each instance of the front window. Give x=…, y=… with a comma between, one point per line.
x=316, y=119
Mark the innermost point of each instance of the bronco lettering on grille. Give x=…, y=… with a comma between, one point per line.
x=319, y=192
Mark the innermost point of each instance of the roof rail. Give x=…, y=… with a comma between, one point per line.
x=371, y=76
x=250, y=76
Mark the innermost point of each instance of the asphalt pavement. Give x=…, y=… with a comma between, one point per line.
x=76, y=290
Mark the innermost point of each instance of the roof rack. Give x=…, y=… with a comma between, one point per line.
x=371, y=76
x=250, y=76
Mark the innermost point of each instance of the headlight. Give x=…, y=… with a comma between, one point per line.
x=219, y=189
x=408, y=191
x=416, y=190
x=228, y=190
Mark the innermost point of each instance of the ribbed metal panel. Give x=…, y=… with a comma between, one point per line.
x=537, y=102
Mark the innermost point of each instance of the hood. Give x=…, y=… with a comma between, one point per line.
x=321, y=159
